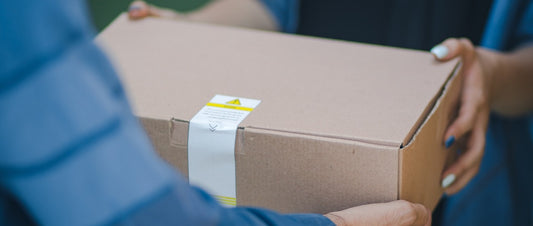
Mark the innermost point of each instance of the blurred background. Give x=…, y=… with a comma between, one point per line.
x=105, y=11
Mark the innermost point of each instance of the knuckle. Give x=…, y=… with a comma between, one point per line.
x=404, y=214
x=403, y=204
x=466, y=41
x=465, y=123
x=408, y=208
x=460, y=166
x=483, y=100
x=408, y=213
x=411, y=216
x=450, y=40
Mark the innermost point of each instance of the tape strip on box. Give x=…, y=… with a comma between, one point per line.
x=211, y=145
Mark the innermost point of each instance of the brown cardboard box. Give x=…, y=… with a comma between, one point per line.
x=340, y=124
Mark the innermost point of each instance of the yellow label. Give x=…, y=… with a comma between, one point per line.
x=226, y=200
x=235, y=102
x=212, y=132
x=211, y=104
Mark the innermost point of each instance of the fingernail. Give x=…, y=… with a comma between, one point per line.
x=448, y=180
x=134, y=8
x=449, y=141
x=440, y=51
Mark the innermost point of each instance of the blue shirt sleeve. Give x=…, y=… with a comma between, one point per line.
x=71, y=152
x=185, y=205
x=510, y=25
x=524, y=31
x=285, y=12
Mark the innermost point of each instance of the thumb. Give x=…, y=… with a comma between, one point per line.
x=453, y=47
x=392, y=213
x=408, y=213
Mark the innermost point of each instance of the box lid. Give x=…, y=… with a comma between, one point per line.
x=307, y=85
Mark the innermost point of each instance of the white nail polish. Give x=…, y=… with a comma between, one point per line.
x=440, y=51
x=448, y=180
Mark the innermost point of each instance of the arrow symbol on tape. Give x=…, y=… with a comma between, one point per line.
x=212, y=127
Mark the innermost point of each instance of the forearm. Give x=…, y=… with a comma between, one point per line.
x=184, y=205
x=241, y=13
x=511, y=81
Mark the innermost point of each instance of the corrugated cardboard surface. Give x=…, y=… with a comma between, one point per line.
x=425, y=157
x=300, y=173
x=348, y=90
x=333, y=114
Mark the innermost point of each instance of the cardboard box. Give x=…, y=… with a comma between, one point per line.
x=340, y=124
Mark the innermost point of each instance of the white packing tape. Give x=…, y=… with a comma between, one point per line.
x=211, y=146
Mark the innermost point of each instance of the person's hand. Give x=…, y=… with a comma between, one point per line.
x=396, y=213
x=140, y=9
x=471, y=123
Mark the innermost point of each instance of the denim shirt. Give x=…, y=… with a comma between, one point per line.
x=71, y=151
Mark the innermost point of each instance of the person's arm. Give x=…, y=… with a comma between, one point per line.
x=241, y=13
x=512, y=81
x=74, y=154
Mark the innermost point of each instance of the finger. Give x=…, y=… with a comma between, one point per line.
x=137, y=14
x=138, y=10
x=455, y=176
x=462, y=181
x=463, y=124
x=407, y=213
x=453, y=47
x=423, y=215
x=469, y=159
x=398, y=212
x=138, y=4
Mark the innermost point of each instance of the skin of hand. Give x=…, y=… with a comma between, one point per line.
x=511, y=93
x=139, y=10
x=472, y=121
x=239, y=13
x=396, y=213
x=493, y=81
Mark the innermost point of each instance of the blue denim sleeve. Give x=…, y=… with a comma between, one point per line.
x=524, y=31
x=510, y=25
x=185, y=205
x=285, y=12
x=71, y=151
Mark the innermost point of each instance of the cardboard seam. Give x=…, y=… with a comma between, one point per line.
x=171, y=129
x=434, y=103
x=359, y=140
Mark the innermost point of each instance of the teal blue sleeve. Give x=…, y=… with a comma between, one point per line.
x=285, y=12
x=71, y=152
x=510, y=25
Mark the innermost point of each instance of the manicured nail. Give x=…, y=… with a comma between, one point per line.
x=448, y=180
x=440, y=51
x=134, y=8
x=449, y=141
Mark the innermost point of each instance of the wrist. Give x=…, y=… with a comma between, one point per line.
x=494, y=68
